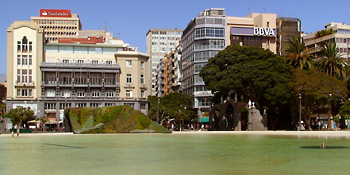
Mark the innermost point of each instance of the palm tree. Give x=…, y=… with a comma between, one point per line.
x=330, y=61
x=298, y=54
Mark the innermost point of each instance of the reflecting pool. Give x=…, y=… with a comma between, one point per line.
x=173, y=154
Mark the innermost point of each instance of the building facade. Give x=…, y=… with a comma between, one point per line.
x=340, y=36
x=287, y=29
x=160, y=78
x=159, y=43
x=211, y=32
x=202, y=39
x=85, y=72
x=58, y=24
x=24, y=55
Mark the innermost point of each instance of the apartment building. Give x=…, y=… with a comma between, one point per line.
x=159, y=43
x=340, y=35
x=160, y=78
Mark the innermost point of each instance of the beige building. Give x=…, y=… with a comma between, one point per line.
x=51, y=77
x=340, y=36
x=24, y=56
x=58, y=24
x=256, y=29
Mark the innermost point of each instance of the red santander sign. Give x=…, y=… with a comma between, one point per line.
x=55, y=13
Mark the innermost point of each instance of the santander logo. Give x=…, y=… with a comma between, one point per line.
x=54, y=13
x=44, y=13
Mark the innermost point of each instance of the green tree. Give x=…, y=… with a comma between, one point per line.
x=19, y=115
x=331, y=62
x=317, y=91
x=298, y=55
x=254, y=72
x=175, y=105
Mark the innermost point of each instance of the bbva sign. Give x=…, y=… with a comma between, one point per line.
x=264, y=31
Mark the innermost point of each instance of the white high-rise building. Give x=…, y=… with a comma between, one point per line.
x=159, y=43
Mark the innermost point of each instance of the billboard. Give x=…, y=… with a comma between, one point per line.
x=55, y=13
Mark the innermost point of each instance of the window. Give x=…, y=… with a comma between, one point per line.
x=65, y=61
x=128, y=78
x=128, y=63
x=94, y=62
x=94, y=105
x=109, y=79
x=95, y=94
x=24, y=60
x=142, y=93
x=80, y=105
x=109, y=62
x=18, y=45
x=18, y=59
x=24, y=92
x=142, y=64
x=30, y=60
x=80, y=61
x=143, y=107
x=65, y=106
x=109, y=104
x=128, y=93
x=30, y=46
x=50, y=106
x=81, y=93
x=142, y=79
x=110, y=94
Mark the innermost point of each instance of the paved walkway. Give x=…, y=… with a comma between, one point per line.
x=284, y=133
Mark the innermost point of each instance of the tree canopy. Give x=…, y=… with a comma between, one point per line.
x=298, y=55
x=316, y=90
x=19, y=115
x=254, y=72
x=175, y=105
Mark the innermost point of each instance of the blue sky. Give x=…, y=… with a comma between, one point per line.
x=130, y=20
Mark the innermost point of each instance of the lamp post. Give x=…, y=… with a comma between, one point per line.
x=329, y=126
x=158, y=110
x=299, y=127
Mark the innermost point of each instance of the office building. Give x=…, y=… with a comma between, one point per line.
x=58, y=24
x=159, y=43
x=210, y=32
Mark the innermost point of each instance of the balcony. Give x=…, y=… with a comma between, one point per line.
x=29, y=85
x=80, y=67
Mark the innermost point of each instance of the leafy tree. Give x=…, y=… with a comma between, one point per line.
x=19, y=115
x=254, y=72
x=315, y=89
x=175, y=105
x=331, y=62
x=298, y=55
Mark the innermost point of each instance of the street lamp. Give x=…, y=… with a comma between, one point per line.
x=158, y=110
x=299, y=127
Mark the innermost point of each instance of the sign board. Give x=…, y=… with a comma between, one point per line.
x=256, y=31
x=55, y=13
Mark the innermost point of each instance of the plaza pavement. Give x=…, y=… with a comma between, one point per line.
x=342, y=133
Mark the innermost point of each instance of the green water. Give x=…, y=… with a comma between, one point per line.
x=172, y=154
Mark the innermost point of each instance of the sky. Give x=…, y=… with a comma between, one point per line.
x=130, y=20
